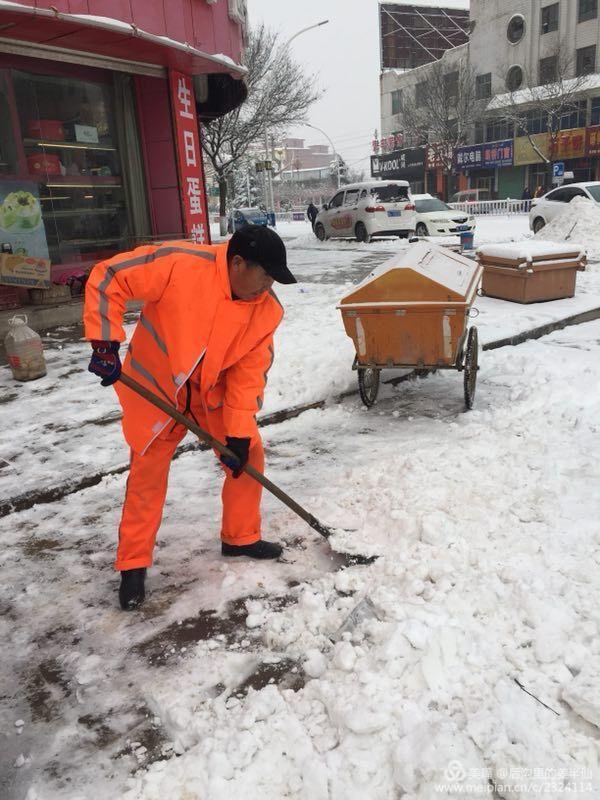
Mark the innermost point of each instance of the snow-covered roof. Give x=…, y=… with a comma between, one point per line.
x=121, y=38
x=538, y=93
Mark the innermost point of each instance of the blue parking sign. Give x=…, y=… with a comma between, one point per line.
x=558, y=169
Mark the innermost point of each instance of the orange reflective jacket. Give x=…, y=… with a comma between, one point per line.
x=188, y=317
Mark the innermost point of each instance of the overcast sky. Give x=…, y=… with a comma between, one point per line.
x=344, y=55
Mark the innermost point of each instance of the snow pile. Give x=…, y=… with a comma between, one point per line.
x=480, y=663
x=579, y=222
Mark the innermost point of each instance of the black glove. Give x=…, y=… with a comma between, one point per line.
x=105, y=361
x=241, y=448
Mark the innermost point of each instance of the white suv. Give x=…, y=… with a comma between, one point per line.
x=546, y=208
x=364, y=210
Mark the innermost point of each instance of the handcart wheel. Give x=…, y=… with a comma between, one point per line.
x=368, y=385
x=471, y=367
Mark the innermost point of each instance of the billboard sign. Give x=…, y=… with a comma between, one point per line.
x=400, y=165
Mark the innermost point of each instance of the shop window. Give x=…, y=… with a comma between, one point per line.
x=396, y=102
x=586, y=60
x=483, y=86
x=548, y=70
x=550, y=18
x=588, y=9
x=514, y=78
x=70, y=141
x=538, y=175
x=516, y=29
x=595, y=114
x=8, y=155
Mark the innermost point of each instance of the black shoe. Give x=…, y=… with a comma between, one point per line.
x=131, y=591
x=260, y=549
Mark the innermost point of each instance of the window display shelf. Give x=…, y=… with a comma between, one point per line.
x=84, y=212
x=62, y=145
x=82, y=181
x=98, y=242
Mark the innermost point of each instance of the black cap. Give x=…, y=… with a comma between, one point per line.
x=263, y=246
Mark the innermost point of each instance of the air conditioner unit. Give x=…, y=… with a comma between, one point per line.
x=237, y=11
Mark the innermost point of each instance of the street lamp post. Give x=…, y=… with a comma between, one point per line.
x=335, y=154
x=270, y=199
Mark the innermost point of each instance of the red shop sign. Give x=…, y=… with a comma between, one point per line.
x=592, y=144
x=189, y=158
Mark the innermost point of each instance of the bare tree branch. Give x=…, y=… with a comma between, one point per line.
x=279, y=95
x=553, y=94
x=443, y=110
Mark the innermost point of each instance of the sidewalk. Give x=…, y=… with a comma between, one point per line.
x=42, y=318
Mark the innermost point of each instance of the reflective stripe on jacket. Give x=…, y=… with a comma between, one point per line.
x=188, y=317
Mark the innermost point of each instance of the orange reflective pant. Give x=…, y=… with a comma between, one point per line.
x=147, y=489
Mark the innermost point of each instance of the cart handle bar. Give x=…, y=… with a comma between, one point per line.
x=206, y=437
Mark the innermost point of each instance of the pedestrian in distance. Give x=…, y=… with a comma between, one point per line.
x=526, y=197
x=312, y=212
x=204, y=342
x=540, y=191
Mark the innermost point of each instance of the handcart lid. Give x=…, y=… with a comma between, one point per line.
x=422, y=273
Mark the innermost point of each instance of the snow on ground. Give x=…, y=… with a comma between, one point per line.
x=81, y=433
x=486, y=524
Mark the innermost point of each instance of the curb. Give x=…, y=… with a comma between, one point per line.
x=544, y=330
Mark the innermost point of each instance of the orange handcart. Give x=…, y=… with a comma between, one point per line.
x=412, y=313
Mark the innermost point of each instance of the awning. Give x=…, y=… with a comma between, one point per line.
x=118, y=41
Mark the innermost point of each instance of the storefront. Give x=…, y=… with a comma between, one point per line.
x=99, y=139
x=572, y=147
x=439, y=180
x=483, y=164
x=406, y=165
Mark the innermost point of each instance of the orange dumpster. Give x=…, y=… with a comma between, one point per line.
x=412, y=313
x=530, y=272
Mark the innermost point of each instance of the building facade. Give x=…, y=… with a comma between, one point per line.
x=515, y=48
x=102, y=105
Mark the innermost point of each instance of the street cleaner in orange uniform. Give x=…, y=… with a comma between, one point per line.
x=204, y=343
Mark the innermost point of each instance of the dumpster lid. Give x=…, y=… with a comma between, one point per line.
x=422, y=273
x=532, y=251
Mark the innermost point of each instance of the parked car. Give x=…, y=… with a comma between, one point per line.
x=436, y=218
x=246, y=216
x=545, y=209
x=364, y=210
x=471, y=196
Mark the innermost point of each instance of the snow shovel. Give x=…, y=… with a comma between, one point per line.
x=314, y=523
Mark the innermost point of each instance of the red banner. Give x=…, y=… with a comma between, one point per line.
x=189, y=158
x=592, y=143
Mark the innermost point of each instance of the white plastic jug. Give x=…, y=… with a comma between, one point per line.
x=24, y=350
